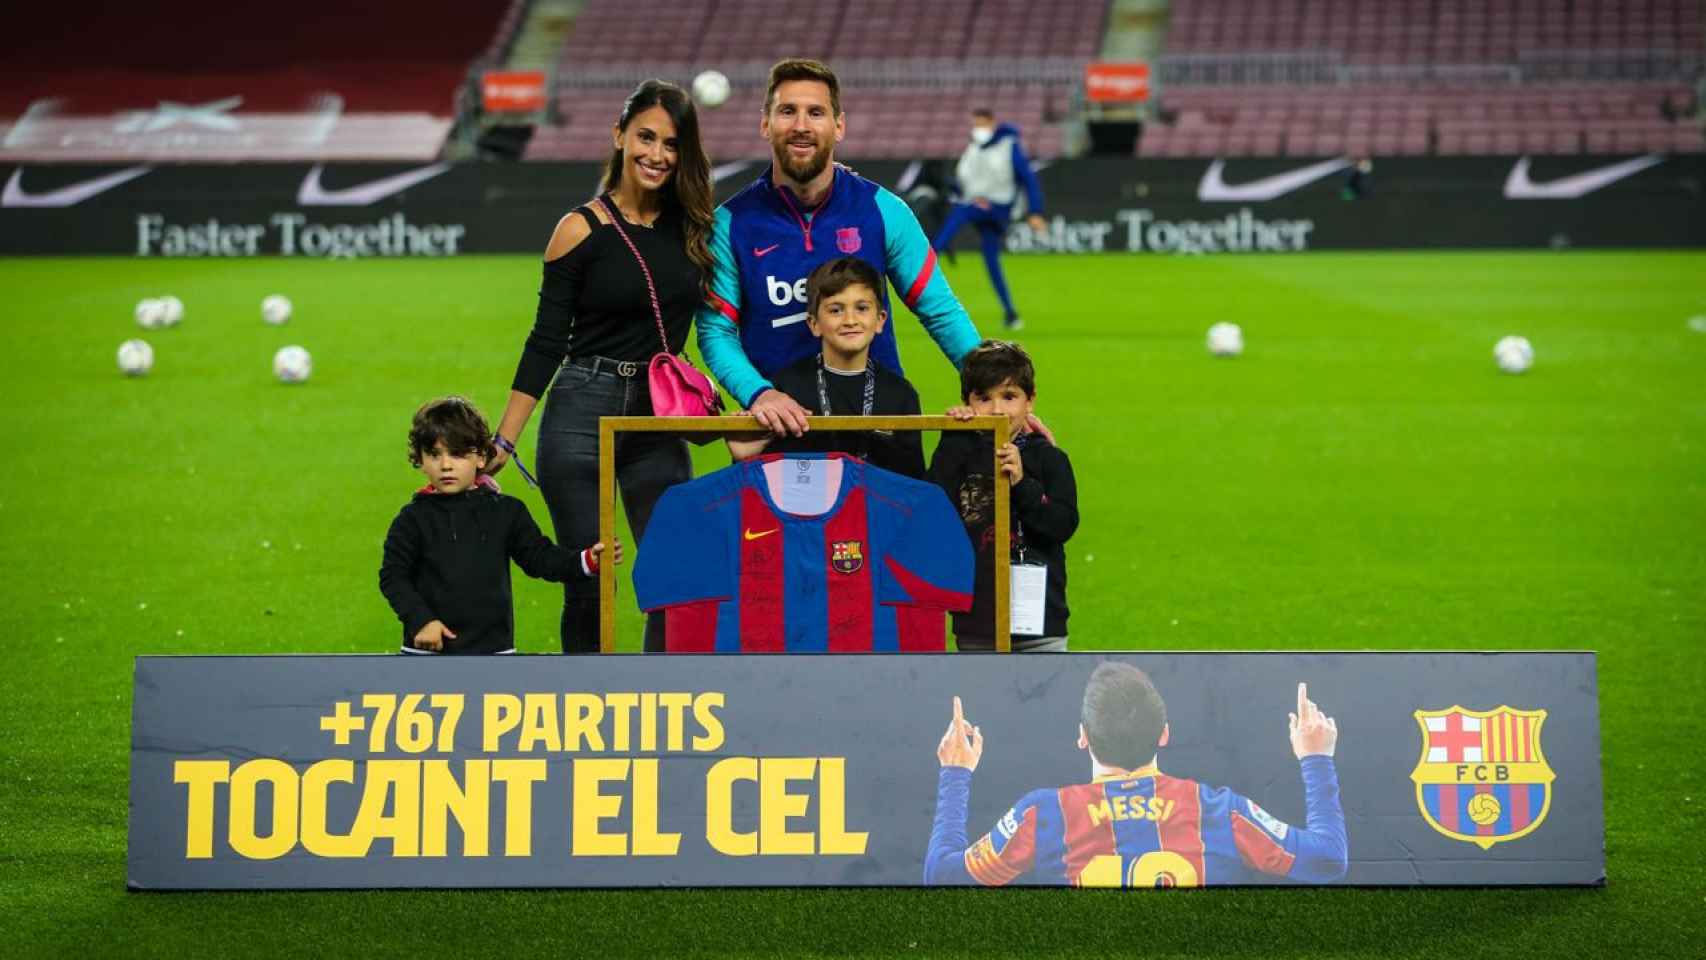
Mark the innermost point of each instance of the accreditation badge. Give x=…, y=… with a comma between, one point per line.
x=1027, y=588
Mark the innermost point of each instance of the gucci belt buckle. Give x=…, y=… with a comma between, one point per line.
x=627, y=368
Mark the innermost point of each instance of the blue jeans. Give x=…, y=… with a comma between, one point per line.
x=646, y=464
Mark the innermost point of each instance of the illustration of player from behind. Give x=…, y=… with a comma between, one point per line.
x=1133, y=825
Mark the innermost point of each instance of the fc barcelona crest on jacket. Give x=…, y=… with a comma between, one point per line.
x=847, y=240
x=1481, y=777
x=846, y=556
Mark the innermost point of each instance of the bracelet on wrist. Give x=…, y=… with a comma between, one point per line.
x=508, y=446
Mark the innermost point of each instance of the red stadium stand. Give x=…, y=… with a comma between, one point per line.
x=199, y=80
x=911, y=72
x=1396, y=77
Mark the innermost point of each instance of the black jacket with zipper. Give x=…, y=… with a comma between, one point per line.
x=447, y=558
x=1044, y=515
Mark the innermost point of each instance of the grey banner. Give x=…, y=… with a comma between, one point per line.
x=359, y=771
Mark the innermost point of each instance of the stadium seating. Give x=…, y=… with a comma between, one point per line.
x=1394, y=77
x=911, y=72
x=386, y=70
x=1389, y=121
x=1431, y=31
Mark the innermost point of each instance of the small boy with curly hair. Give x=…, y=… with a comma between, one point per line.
x=446, y=565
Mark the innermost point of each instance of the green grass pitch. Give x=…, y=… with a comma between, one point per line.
x=1362, y=477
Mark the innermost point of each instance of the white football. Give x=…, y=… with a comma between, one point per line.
x=173, y=309
x=135, y=358
x=1226, y=340
x=711, y=88
x=1514, y=354
x=1697, y=323
x=150, y=314
x=292, y=364
x=276, y=309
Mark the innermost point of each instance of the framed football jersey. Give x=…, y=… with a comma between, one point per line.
x=807, y=553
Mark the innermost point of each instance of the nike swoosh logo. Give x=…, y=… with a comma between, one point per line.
x=312, y=194
x=723, y=170
x=759, y=252
x=16, y=196
x=1214, y=187
x=1519, y=186
x=791, y=318
x=765, y=533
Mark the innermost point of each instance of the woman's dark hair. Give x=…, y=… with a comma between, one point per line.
x=1123, y=715
x=834, y=276
x=456, y=423
x=690, y=189
x=994, y=362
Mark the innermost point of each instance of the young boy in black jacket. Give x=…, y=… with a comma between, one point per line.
x=997, y=378
x=446, y=565
x=844, y=309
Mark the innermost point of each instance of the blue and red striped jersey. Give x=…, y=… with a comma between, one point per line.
x=1139, y=829
x=735, y=573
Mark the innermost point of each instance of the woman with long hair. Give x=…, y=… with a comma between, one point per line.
x=595, y=331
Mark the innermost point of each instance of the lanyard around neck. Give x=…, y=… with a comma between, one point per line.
x=870, y=400
x=869, y=403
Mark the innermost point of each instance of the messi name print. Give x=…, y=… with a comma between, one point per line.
x=742, y=563
x=1139, y=829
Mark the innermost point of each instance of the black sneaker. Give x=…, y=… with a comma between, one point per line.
x=1012, y=322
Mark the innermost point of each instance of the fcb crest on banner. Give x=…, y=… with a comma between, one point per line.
x=1482, y=777
x=846, y=556
x=847, y=240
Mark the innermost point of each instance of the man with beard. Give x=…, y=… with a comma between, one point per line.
x=807, y=210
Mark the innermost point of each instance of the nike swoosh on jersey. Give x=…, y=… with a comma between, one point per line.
x=1519, y=186
x=748, y=534
x=791, y=318
x=16, y=196
x=761, y=251
x=312, y=194
x=1214, y=187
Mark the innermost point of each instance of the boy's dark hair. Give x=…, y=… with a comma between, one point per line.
x=799, y=68
x=1123, y=715
x=835, y=276
x=983, y=113
x=456, y=422
x=994, y=362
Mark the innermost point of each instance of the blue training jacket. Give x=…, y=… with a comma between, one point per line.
x=765, y=245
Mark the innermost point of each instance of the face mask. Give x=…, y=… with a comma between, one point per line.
x=981, y=135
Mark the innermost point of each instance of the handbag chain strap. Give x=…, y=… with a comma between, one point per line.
x=651, y=288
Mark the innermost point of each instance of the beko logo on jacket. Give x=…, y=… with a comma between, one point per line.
x=782, y=294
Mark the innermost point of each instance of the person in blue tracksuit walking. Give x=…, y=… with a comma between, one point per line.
x=990, y=173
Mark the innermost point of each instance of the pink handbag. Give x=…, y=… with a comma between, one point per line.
x=678, y=389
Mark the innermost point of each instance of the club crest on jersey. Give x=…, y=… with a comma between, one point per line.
x=847, y=556
x=847, y=240
x=1482, y=778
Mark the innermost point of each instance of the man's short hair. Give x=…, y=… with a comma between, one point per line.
x=798, y=68
x=835, y=276
x=1123, y=715
x=455, y=422
x=994, y=362
x=983, y=112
